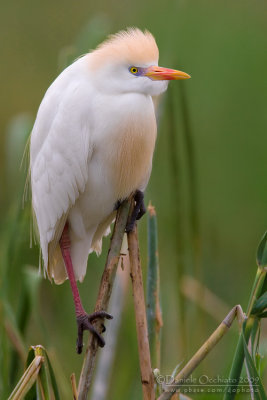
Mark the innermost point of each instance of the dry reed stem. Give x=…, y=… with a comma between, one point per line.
x=103, y=297
x=202, y=352
x=140, y=316
x=27, y=379
x=73, y=386
x=208, y=301
x=103, y=374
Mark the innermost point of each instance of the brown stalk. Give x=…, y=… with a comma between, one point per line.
x=140, y=316
x=73, y=386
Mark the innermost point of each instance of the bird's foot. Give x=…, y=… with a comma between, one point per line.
x=85, y=323
x=138, y=210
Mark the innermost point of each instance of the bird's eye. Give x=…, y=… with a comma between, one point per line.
x=133, y=70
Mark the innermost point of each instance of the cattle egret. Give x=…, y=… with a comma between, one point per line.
x=91, y=147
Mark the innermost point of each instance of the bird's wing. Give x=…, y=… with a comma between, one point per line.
x=59, y=165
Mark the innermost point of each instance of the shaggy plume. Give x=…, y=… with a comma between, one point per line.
x=131, y=46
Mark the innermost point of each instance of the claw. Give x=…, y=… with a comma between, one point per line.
x=84, y=322
x=142, y=211
x=138, y=211
x=99, y=314
x=79, y=342
x=130, y=227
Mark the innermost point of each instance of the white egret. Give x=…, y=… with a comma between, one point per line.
x=91, y=147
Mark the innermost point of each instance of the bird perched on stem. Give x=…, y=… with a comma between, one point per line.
x=91, y=147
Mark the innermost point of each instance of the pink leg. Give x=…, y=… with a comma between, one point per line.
x=84, y=320
x=65, y=249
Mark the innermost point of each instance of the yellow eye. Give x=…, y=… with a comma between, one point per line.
x=134, y=70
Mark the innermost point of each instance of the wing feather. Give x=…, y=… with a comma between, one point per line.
x=59, y=163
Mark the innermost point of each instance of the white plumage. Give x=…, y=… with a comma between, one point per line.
x=92, y=144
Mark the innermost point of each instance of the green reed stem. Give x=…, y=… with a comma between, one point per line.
x=238, y=360
x=153, y=309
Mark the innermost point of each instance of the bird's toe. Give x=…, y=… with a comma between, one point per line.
x=99, y=314
x=130, y=226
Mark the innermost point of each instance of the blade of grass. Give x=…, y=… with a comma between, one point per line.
x=254, y=378
x=260, y=305
x=52, y=378
x=255, y=337
x=256, y=292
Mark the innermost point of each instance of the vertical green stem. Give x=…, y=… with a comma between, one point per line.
x=153, y=309
x=192, y=181
x=256, y=289
x=175, y=164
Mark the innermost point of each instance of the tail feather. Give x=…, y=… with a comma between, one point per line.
x=56, y=267
x=103, y=229
x=80, y=248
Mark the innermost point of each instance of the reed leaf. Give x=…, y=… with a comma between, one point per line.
x=256, y=292
x=260, y=305
x=52, y=378
x=262, y=252
x=27, y=380
x=256, y=385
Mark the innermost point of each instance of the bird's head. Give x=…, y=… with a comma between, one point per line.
x=127, y=62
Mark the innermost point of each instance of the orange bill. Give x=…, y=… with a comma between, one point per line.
x=162, y=74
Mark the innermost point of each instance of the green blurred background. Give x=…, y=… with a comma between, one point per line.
x=223, y=46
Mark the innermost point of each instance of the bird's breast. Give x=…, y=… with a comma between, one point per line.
x=134, y=155
x=130, y=145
